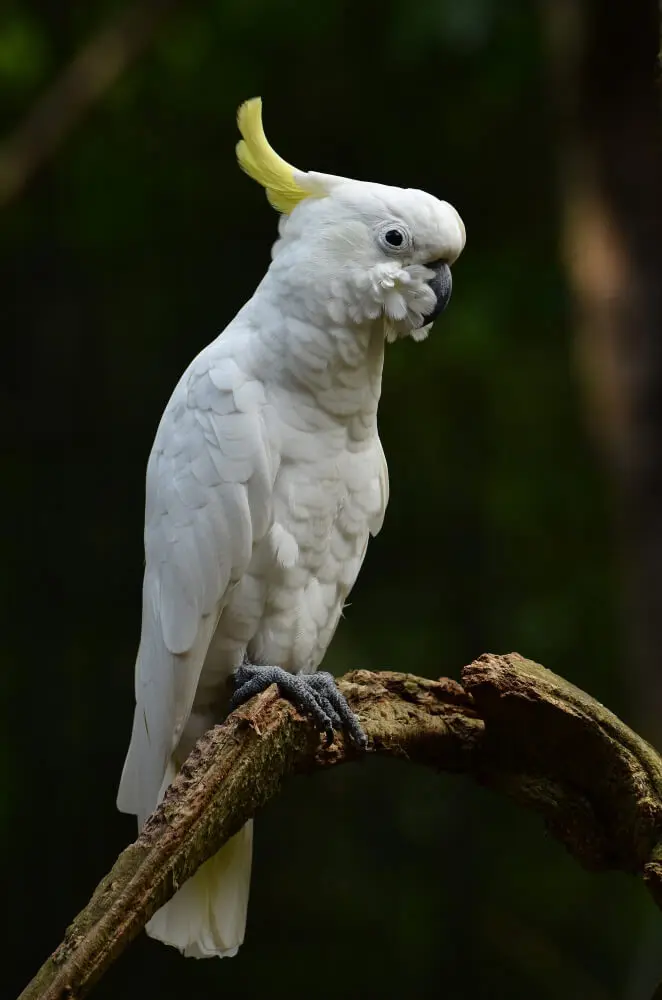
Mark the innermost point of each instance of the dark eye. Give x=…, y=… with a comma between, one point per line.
x=394, y=237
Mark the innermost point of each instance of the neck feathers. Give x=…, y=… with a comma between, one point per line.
x=339, y=365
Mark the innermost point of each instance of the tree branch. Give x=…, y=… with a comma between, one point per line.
x=87, y=78
x=512, y=724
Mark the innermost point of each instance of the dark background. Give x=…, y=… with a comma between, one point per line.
x=524, y=441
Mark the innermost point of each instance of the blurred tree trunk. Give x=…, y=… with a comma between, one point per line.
x=605, y=78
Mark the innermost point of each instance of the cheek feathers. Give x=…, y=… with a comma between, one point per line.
x=400, y=294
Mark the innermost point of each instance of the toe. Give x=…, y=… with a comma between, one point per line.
x=330, y=711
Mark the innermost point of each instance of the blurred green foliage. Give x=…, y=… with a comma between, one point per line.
x=127, y=254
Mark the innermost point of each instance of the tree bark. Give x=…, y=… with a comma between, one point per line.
x=604, y=61
x=511, y=724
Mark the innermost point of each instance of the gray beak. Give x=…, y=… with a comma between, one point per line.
x=442, y=286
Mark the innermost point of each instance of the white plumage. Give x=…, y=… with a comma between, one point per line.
x=265, y=480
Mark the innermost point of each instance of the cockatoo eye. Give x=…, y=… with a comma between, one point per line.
x=394, y=238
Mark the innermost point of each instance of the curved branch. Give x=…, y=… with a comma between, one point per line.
x=512, y=724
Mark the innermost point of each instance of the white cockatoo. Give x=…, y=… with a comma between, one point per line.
x=265, y=481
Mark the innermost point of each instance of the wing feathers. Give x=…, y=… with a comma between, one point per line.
x=208, y=499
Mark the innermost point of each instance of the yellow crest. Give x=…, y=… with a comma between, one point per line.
x=263, y=163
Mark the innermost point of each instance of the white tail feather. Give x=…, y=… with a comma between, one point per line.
x=206, y=918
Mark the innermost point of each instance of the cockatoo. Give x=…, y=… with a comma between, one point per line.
x=266, y=479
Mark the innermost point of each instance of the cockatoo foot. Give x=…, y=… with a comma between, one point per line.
x=315, y=695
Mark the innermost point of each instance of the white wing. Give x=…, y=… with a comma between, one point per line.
x=209, y=488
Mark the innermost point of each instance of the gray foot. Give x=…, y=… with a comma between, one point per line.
x=315, y=695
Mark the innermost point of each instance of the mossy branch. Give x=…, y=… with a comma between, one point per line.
x=512, y=725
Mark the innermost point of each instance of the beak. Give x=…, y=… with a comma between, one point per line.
x=442, y=286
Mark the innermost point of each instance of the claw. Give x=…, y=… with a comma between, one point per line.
x=326, y=685
x=315, y=695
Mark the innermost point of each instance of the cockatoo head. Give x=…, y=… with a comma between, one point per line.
x=354, y=250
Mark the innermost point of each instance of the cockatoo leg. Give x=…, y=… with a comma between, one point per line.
x=315, y=695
